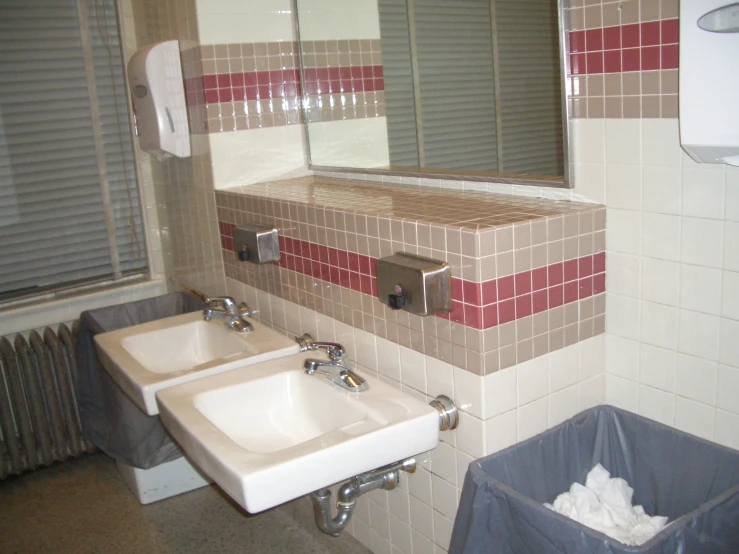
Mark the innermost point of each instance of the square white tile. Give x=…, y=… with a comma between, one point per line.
x=623, y=274
x=658, y=367
x=659, y=325
x=661, y=236
x=500, y=432
x=656, y=404
x=696, y=379
x=622, y=357
x=501, y=391
x=699, y=335
x=533, y=418
x=702, y=242
x=703, y=192
x=624, y=187
x=623, y=232
x=660, y=281
x=622, y=393
x=694, y=418
x=661, y=190
x=700, y=289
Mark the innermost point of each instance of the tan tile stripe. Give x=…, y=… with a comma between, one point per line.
x=341, y=53
x=635, y=94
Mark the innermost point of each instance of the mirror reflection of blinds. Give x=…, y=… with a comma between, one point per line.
x=52, y=215
x=398, y=74
x=456, y=70
x=455, y=66
x=527, y=42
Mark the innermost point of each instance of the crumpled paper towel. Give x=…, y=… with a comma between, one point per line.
x=604, y=504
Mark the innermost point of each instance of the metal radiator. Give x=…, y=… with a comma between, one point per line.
x=39, y=421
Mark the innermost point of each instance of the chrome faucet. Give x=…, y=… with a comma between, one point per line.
x=225, y=309
x=335, y=351
x=336, y=374
x=333, y=369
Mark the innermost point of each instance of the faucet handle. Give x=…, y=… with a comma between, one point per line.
x=246, y=312
x=334, y=350
x=228, y=303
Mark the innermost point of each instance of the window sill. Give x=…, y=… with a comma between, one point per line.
x=61, y=310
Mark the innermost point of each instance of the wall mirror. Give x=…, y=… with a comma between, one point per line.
x=457, y=89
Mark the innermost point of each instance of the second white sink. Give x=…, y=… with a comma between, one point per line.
x=269, y=433
x=282, y=410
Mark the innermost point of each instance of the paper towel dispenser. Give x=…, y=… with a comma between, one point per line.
x=158, y=92
x=709, y=80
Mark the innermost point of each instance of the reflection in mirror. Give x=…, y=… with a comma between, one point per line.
x=457, y=87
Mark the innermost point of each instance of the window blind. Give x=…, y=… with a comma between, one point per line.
x=53, y=181
x=461, y=48
x=527, y=43
x=398, y=74
x=455, y=68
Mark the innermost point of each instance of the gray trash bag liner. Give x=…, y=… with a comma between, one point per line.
x=109, y=418
x=692, y=481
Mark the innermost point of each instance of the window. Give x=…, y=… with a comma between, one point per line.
x=69, y=205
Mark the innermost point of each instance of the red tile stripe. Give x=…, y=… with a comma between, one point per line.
x=635, y=47
x=261, y=85
x=477, y=305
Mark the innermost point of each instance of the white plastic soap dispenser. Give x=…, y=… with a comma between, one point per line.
x=709, y=80
x=158, y=92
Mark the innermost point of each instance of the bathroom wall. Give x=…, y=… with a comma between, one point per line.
x=513, y=372
x=672, y=237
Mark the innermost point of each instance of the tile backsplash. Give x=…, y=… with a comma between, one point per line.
x=256, y=85
x=623, y=59
x=528, y=274
x=669, y=351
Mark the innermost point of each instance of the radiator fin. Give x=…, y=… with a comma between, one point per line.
x=39, y=420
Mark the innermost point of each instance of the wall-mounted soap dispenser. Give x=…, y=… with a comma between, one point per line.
x=158, y=92
x=709, y=80
x=419, y=285
x=257, y=243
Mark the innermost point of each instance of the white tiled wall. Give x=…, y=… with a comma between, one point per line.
x=256, y=155
x=497, y=411
x=358, y=142
x=672, y=326
x=331, y=20
x=237, y=21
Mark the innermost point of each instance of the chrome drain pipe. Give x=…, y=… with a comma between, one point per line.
x=386, y=478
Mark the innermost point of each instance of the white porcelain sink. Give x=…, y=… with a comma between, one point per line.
x=270, y=433
x=146, y=358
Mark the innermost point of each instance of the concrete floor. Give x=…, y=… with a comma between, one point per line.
x=84, y=506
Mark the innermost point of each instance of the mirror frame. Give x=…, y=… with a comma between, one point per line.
x=565, y=181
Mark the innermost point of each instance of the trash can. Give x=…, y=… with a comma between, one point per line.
x=695, y=483
x=109, y=418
